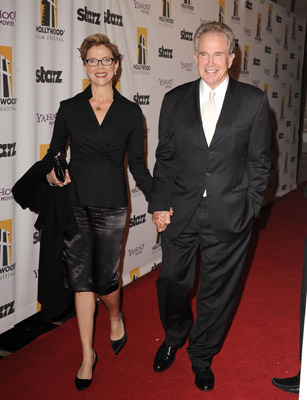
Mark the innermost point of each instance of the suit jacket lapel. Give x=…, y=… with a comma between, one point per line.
x=228, y=112
x=191, y=108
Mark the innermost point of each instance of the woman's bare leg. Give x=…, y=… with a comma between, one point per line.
x=85, y=303
x=112, y=302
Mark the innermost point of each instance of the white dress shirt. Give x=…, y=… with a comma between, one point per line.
x=204, y=92
x=220, y=91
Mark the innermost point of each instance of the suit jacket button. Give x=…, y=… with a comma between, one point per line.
x=208, y=174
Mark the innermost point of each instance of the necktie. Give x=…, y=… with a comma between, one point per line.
x=209, y=117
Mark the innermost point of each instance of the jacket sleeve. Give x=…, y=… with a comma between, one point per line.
x=165, y=169
x=60, y=132
x=259, y=163
x=135, y=151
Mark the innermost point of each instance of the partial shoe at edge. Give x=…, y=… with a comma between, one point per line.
x=291, y=385
x=165, y=357
x=204, y=379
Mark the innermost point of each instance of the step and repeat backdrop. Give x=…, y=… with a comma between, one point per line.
x=40, y=65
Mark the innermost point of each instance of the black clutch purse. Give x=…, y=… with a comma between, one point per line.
x=60, y=166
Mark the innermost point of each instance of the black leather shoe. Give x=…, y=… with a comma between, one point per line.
x=165, y=357
x=291, y=384
x=117, y=345
x=204, y=379
x=82, y=384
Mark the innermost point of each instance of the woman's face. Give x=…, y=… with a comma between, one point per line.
x=101, y=75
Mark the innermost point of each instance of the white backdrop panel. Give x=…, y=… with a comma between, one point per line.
x=41, y=65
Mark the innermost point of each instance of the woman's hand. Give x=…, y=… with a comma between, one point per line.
x=52, y=179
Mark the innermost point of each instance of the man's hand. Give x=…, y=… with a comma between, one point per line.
x=161, y=219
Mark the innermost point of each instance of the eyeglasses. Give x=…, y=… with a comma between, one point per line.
x=106, y=61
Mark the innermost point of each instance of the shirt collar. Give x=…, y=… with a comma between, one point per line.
x=87, y=92
x=220, y=90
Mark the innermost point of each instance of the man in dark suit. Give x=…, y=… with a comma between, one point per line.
x=213, y=162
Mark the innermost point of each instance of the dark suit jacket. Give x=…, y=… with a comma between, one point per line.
x=234, y=169
x=98, y=151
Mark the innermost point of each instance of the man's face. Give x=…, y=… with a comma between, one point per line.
x=213, y=61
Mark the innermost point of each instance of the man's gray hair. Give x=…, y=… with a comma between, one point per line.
x=215, y=27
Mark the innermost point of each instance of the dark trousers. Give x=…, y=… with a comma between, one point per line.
x=220, y=272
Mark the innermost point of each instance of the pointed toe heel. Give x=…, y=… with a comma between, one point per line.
x=117, y=345
x=82, y=384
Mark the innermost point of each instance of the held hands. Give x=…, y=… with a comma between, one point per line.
x=52, y=179
x=161, y=219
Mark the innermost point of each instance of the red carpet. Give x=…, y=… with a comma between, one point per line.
x=263, y=340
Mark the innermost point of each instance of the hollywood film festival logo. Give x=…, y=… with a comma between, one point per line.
x=7, y=18
x=221, y=11
x=142, y=66
x=235, y=13
x=48, y=29
x=293, y=35
x=7, y=101
x=245, y=71
x=258, y=38
x=270, y=18
x=276, y=66
x=7, y=267
x=135, y=274
x=187, y=7
x=286, y=36
x=165, y=19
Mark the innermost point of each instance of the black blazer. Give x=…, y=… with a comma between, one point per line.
x=98, y=151
x=234, y=169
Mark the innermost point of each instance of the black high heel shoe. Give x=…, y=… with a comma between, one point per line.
x=82, y=384
x=117, y=345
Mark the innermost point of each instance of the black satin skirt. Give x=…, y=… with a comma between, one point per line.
x=92, y=251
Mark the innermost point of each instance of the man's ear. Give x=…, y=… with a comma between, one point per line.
x=230, y=60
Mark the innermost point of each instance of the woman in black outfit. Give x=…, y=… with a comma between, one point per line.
x=102, y=126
